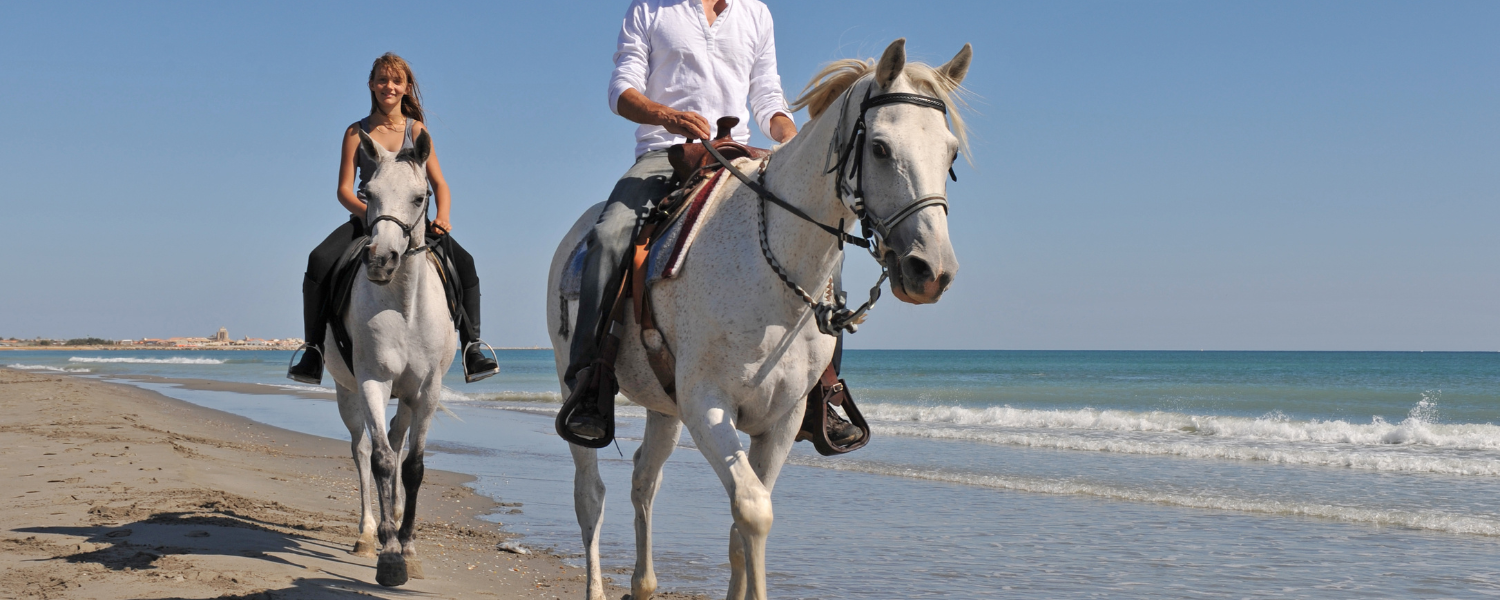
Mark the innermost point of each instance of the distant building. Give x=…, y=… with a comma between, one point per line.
x=222, y=335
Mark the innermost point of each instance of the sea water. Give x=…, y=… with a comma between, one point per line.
x=1014, y=474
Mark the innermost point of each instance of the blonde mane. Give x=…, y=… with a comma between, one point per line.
x=838, y=76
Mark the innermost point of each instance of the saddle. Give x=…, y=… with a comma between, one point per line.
x=657, y=253
x=336, y=305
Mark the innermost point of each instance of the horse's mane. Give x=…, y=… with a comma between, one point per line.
x=838, y=76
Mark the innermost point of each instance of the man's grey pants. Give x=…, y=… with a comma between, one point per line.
x=634, y=196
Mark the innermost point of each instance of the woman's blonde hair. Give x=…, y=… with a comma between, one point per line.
x=411, y=103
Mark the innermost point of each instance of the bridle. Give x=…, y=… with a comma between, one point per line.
x=851, y=160
x=407, y=229
x=835, y=316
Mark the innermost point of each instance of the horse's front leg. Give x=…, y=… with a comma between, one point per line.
x=352, y=412
x=708, y=419
x=588, y=504
x=390, y=568
x=660, y=439
x=412, y=470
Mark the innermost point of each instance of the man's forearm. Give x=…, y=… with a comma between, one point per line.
x=634, y=105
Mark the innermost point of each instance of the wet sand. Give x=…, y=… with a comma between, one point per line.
x=113, y=491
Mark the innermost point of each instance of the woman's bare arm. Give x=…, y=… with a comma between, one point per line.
x=346, y=173
x=440, y=193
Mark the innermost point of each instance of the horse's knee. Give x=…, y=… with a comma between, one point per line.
x=412, y=470
x=382, y=464
x=752, y=510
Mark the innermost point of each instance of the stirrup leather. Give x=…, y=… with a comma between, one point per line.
x=473, y=377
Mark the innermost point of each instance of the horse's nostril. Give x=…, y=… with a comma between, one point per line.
x=945, y=280
x=916, y=269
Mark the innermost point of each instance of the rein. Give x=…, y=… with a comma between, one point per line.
x=835, y=316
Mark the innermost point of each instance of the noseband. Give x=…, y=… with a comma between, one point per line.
x=406, y=229
x=834, y=317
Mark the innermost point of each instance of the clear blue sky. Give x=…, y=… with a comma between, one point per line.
x=1146, y=175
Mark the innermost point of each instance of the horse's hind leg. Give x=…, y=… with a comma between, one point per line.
x=588, y=504
x=660, y=439
x=359, y=445
x=412, y=470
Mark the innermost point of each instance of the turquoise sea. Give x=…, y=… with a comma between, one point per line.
x=1014, y=474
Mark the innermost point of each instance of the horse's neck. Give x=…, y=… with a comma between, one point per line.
x=797, y=174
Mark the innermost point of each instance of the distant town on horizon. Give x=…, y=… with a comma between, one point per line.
x=220, y=339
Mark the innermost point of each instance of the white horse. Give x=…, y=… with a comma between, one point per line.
x=403, y=340
x=747, y=349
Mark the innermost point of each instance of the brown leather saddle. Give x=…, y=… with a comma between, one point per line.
x=695, y=171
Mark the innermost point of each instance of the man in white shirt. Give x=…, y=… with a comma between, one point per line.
x=679, y=66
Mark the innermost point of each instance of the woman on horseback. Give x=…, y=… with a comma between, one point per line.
x=395, y=120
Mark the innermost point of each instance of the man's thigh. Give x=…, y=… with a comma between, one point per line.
x=646, y=183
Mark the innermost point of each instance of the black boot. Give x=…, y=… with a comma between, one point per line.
x=310, y=369
x=840, y=431
x=587, y=417
x=477, y=366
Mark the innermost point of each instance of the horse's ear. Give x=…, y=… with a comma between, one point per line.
x=891, y=63
x=422, y=147
x=367, y=145
x=957, y=68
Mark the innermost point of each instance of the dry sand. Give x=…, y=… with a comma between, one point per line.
x=112, y=491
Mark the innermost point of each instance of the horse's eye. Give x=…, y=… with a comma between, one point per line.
x=881, y=150
x=417, y=200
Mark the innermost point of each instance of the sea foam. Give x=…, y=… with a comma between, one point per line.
x=1414, y=431
x=1372, y=459
x=174, y=360
x=47, y=368
x=1429, y=520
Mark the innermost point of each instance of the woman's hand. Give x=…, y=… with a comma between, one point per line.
x=440, y=226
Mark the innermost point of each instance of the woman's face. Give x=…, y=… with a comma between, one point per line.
x=389, y=86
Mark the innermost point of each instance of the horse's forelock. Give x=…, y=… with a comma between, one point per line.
x=838, y=76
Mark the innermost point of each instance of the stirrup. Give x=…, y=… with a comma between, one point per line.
x=473, y=377
x=293, y=362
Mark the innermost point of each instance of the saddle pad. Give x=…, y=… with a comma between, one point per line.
x=670, y=249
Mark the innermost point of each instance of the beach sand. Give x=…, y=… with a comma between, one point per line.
x=117, y=492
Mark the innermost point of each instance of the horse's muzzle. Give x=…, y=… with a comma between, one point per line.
x=380, y=267
x=916, y=279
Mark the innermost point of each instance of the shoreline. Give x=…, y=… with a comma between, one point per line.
x=122, y=492
x=185, y=348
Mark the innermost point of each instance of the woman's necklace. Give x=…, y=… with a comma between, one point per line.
x=390, y=125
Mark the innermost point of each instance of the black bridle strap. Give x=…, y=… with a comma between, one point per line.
x=406, y=230
x=851, y=160
x=761, y=190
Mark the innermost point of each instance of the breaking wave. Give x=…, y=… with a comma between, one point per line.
x=1428, y=520
x=175, y=360
x=47, y=368
x=979, y=424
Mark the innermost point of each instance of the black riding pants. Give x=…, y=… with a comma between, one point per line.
x=320, y=264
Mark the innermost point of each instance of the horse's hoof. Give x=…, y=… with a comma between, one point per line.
x=364, y=548
x=390, y=572
x=414, y=568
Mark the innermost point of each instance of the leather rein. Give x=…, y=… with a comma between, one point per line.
x=834, y=317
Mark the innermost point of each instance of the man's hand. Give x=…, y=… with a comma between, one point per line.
x=687, y=124
x=782, y=128
x=637, y=107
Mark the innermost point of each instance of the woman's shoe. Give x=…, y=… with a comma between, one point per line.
x=477, y=366
x=310, y=369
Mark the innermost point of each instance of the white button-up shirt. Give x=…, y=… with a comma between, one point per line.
x=669, y=53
